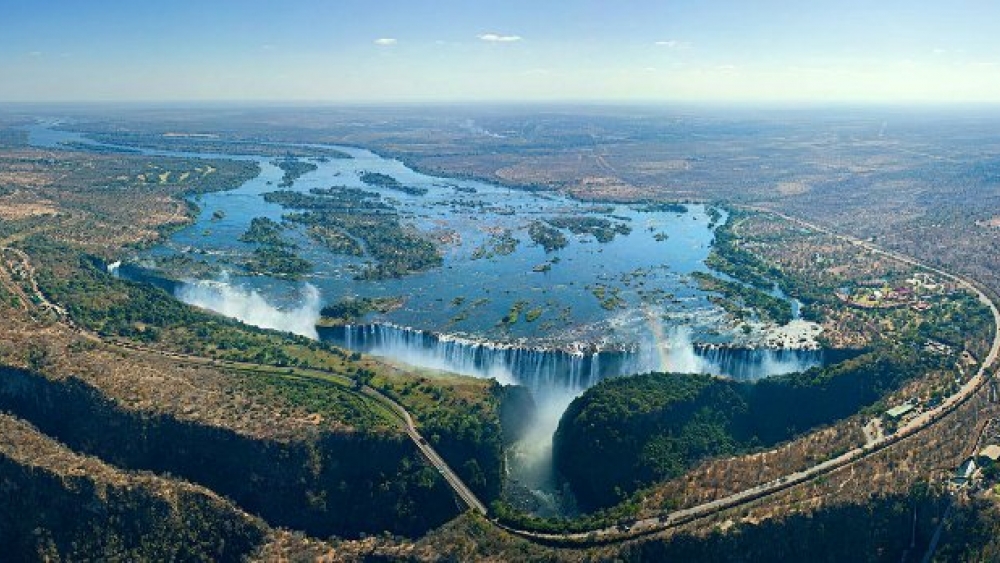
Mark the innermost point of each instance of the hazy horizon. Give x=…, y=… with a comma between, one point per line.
x=646, y=52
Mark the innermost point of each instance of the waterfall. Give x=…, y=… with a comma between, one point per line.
x=556, y=376
x=560, y=369
x=536, y=368
x=755, y=363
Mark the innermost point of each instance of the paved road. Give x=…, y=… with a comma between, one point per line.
x=662, y=522
x=917, y=424
x=454, y=481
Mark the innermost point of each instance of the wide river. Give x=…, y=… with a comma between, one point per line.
x=587, y=311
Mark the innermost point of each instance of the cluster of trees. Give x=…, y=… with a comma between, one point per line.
x=206, y=144
x=885, y=528
x=326, y=483
x=730, y=258
x=499, y=244
x=334, y=240
x=273, y=256
x=625, y=433
x=549, y=238
x=335, y=198
x=117, y=307
x=293, y=169
x=739, y=298
x=263, y=230
x=348, y=218
x=663, y=207
x=397, y=251
x=277, y=261
x=602, y=229
x=349, y=310
x=388, y=182
x=470, y=435
x=133, y=521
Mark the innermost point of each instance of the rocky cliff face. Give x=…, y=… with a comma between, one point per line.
x=326, y=484
x=61, y=505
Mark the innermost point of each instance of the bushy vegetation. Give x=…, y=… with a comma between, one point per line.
x=274, y=255
x=336, y=198
x=730, y=258
x=462, y=423
x=54, y=517
x=882, y=529
x=357, y=215
x=116, y=307
x=212, y=145
x=293, y=169
x=502, y=243
x=264, y=231
x=628, y=432
x=547, y=237
x=324, y=483
x=279, y=262
x=601, y=229
x=738, y=299
x=663, y=207
x=387, y=182
x=350, y=310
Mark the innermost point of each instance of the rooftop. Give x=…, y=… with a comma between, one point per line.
x=900, y=410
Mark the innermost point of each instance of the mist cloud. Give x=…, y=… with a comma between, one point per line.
x=252, y=308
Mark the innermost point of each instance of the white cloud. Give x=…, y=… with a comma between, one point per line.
x=939, y=51
x=674, y=44
x=497, y=38
x=385, y=41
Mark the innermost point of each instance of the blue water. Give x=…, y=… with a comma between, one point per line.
x=487, y=287
x=572, y=345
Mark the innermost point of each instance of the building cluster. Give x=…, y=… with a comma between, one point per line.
x=915, y=292
x=973, y=467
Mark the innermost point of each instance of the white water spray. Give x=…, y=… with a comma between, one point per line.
x=250, y=307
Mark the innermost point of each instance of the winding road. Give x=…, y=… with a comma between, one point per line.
x=454, y=481
x=919, y=423
x=646, y=526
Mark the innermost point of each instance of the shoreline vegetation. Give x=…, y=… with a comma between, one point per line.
x=357, y=222
x=386, y=182
x=293, y=170
x=351, y=310
x=122, y=371
x=622, y=438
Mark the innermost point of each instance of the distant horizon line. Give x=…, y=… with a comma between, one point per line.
x=569, y=102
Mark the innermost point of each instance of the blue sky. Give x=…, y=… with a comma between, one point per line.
x=420, y=50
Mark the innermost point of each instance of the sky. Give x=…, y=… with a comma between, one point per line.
x=914, y=51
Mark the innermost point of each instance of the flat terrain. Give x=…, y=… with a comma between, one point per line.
x=925, y=186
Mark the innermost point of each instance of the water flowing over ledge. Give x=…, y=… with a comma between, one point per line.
x=570, y=369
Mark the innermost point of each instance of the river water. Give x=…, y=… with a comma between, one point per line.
x=450, y=317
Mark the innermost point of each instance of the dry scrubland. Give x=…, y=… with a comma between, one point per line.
x=150, y=412
x=912, y=184
x=927, y=186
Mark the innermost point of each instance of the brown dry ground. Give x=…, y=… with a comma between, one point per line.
x=908, y=190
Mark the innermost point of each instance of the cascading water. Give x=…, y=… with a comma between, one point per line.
x=251, y=307
x=555, y=377
x=542, y=368
x=627, y=285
